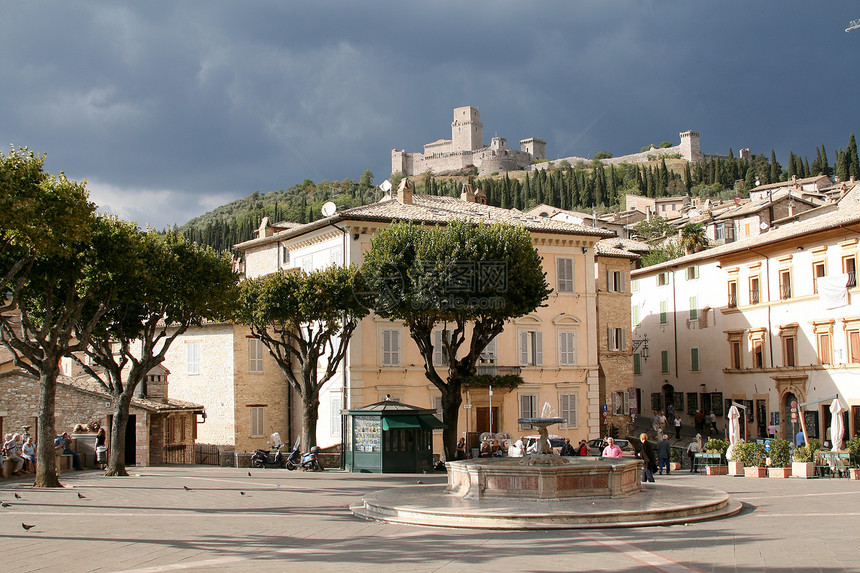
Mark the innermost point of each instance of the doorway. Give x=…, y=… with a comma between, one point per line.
x=789, y=424
x=130, y=438
x=482, y=419
x=761, y=417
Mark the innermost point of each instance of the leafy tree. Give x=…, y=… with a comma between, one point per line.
x=654, y=228
x=666, y=252
x=169, y=284
x=301, y=318
x=602, y=155
x=60, y=301
x=418, y=275
x=693, y=238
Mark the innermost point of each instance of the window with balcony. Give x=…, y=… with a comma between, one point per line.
x=733, y=293
x=754, y=290
x=785, y=284
x=849, y=266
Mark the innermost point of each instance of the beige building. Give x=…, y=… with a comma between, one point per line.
x=557, y=349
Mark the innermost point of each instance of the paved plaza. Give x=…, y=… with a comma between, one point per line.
x=300, y=522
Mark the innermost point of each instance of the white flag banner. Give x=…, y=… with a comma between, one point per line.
x=833, y=290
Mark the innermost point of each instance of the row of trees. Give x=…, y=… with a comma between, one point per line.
x=76, y=283
x=114, y=298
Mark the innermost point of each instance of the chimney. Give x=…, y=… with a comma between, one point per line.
x=265, y=229
x=404, y=192
x=468, y=194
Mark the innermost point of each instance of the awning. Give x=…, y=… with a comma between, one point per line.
x=423, y=421
x=400, y=423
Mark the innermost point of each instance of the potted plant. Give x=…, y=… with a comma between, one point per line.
x=736, y=464
x=780, y=457
x=717, y=446
x=754, y=456
x=853, y=446
x=674, y=460
x=802, y=465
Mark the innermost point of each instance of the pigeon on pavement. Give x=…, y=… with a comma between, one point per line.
x=27, y=527
x=5, y=504
x=81, y=496
x=17, y=496
x=187, y=488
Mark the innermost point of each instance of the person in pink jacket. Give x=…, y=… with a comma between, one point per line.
x=611, y=450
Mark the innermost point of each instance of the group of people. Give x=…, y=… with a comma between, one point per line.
x=22, y=451
x=517, y=449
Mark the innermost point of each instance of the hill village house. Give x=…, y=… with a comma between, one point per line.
x=571, y=353
x=762, y=321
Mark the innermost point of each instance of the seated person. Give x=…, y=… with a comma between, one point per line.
x=28, y=452
x=64, y=441
x=612, y=450
x=12, y=451
x=486, y=450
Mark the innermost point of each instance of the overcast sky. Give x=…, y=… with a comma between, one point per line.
x=169, y=109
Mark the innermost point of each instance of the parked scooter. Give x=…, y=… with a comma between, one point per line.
x=308, y=461
x=268, y=459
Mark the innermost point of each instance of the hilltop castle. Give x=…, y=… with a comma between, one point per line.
x=466, y=147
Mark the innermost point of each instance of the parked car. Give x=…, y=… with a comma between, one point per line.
x=555, y=441
x=595, y=447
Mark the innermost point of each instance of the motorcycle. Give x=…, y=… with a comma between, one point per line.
x=268, y=459
x=308, y=461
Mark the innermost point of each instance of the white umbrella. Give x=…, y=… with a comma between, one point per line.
x=837, y=429
x=734, y=430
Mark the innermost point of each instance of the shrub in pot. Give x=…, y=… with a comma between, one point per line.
x=753, y=456
x=736, y=466
x=802, y=465
x=853, y=446
x=780, y=457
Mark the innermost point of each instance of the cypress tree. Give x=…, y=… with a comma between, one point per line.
x=852, y=158
x=775, y=168
x=825, y=167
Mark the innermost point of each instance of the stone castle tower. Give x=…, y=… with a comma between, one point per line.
x=690, y=147
x=467, y=131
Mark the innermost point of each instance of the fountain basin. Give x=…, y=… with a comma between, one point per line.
x=516, y=478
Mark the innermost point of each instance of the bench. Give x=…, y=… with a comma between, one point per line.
x=8, y=466
x=63, y=462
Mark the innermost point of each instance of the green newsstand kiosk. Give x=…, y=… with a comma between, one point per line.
x=390, y=437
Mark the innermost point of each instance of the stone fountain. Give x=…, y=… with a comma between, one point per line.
x=545, y=491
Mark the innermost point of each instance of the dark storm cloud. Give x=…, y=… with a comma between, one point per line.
x=170, y=109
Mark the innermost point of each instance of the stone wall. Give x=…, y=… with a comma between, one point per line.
x=19, y=405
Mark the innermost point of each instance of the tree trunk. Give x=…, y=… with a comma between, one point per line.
x=46, y=468
x=116, y=453
x=451, y=402
x=310, y=413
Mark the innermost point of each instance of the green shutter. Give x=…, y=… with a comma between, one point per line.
x=694, y=359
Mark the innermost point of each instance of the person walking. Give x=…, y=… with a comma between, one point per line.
x=664, y=451
x=567, y=449
x=713, y=419
x=677, y=427
x=646, y=454
x=699, y=422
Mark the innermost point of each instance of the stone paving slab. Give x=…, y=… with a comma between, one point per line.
x=300, y=521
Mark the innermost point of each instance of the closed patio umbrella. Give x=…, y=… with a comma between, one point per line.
x=837, y=429
x=734, y=430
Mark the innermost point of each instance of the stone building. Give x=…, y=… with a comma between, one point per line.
x=555, y=349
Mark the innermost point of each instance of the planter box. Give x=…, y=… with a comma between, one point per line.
x=755, y=472
x=804, y=470
x=854, y=473
x=736, y=469
x=778, y=472
x=716, y=470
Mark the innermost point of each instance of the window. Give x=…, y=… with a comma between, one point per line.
x=785, y=284
x=758, y=353
x=567, y=348
x=789, y=351
x=719, y=232
x=634, y=285
x=694, y=308
x=437, y=405
x=285, y=255
x=336, y=256
x=255, y=355
x=735, y=356
x=615, y=281
x=733, y=293
x=662, y=279
x=730, y=232
x=565, y=274
x=692, y=272
x=257, y=421
x=754, y=290
x=528, y=407
x=619, y=403
x=664, y=313
x=567, y=405
x=818, y=270
x=390, y=347
x=824, y=340
x=664, y=361
x=694, y=359
x=637, y=363
x=853, y=346
x=634, y=314
x=440, y=353
x=336, y=406
x=192, y=350
x=488, y=355
x=531, y=348
x=615, y=340
x=849, y=265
